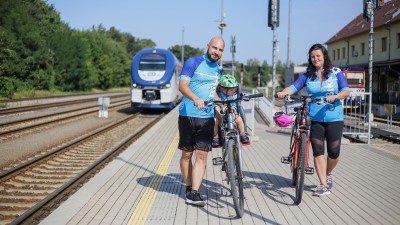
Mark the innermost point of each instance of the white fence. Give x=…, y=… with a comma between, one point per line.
x=263, y=107
x=356, y=114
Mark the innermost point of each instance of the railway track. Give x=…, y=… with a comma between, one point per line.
x=17, y=128
x=379, y=134
x=59, y=103
x=31, y=190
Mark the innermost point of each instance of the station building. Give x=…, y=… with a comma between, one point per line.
x=350, y=47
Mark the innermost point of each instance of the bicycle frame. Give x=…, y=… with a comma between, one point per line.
x=231, y=132
x=300, y=127
x=299, y=145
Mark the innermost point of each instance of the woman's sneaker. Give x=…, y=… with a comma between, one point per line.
x=321, y=190
x=194, y=198
x=329, y=181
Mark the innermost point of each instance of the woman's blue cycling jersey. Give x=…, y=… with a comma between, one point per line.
x=204, y=76
x=336, y=82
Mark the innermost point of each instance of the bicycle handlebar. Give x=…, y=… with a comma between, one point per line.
x=291, y=98
x=240, y=98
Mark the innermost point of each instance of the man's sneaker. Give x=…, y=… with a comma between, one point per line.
x=329, y=181
x=215, y=143
x=244, y=140
x=188, y=190
x=194, y=198
x=321, y=190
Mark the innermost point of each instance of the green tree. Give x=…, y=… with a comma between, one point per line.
x=188, y=51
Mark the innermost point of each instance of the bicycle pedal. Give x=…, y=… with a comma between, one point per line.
x=286, y=160
x=217, y=161
x=309, y=170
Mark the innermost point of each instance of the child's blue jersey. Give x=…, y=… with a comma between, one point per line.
x=335, y=83
x=204, y=76
x=225, y=97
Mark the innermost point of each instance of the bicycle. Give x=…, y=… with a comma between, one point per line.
x=232, y=160
x=299, y=140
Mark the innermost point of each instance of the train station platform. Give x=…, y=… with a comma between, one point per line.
x=143, y=185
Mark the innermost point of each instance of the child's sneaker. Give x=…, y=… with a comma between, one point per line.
x=244, y=140
x=215, y=143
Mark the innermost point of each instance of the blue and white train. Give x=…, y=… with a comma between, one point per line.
x=155, y=79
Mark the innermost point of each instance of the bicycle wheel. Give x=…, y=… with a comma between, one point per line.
x=235, y=177
x=292, y=149
x=301, y=168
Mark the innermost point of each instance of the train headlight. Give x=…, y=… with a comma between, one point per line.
x=168, y=85
x=134, y=85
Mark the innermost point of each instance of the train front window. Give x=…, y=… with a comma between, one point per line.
x=152, y=62
x=152, y=65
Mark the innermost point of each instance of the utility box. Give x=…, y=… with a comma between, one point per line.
x=104, y=103
x=389, y=110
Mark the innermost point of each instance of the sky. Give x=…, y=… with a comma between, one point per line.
x=195, y=22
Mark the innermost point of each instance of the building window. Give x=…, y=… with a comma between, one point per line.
x=353, y=51
x=398, y=40
x=343, y=53
x=334, y=54
x=338, y=54
x=363, y=48
x=384, y=44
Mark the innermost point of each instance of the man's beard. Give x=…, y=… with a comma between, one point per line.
x=212, y=60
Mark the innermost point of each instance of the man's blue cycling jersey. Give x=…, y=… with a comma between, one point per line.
x=204, y=76
x=335, y=83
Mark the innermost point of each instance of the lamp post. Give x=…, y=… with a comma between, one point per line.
x=369, y=15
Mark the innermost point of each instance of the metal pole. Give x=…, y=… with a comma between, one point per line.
x=273, y=63
x=233, y=50
x=183, y=46
x=222, y=14
x=371, y=47
x=288, y=41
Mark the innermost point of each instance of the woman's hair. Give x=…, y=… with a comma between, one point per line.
x=327, y=62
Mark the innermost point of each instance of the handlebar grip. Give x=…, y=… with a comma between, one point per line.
x=255, y=95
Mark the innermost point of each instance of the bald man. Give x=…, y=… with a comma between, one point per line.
x=197, y=83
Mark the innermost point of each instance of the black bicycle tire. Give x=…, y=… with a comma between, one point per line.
x=233, y=178
x=292, y=138
x=293, y=145
x=301, y=168
x=239, y=178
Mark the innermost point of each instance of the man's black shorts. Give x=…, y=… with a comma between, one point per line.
x=195, y=133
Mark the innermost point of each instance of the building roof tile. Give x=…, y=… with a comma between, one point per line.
x=386, y=14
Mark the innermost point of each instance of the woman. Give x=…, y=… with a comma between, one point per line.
x=322, y=80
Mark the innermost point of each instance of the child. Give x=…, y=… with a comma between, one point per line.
x=227, y=90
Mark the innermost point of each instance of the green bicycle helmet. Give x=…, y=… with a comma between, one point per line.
x=228, y=81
